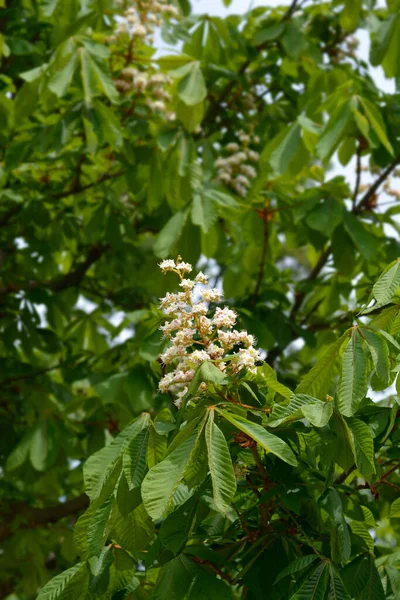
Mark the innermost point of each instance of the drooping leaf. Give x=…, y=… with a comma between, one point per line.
x=315, y=586
x=353, y=382
x=364, y=447
x=317, y=381
x=102, y=468
x=387, y=284
x=67, y=585
x=268, y=441
x=162, y=481
x=220, y=464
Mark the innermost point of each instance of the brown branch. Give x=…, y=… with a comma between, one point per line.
x=263, y=258
x=323, y=259
x=290, y=10
x=29, y=517
x=71, y=279
x=365, y=200
x=345, y=474
x=77, y=190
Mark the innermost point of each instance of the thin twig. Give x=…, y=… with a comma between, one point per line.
x=364, y=202
x=263, y=257
x=358, y=177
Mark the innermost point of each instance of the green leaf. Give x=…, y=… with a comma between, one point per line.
x=337, y=591
x=285, y=152
x=102, y=468
x=384, y=289
x=373, y=589
x=318, y=414
x=353, y=382
x=207, y=373
x=325, y=217
x=366, y=243
x=291, y=412
x=314, y=587
x=268, y=441
x=340, y=543
x=380, y=353
x=20, y=453
x=273, y=32
x=134, y=531
x=134, y=459
x=63, y=73
x=170, y=234
x=334, y=131
x=364, y=447
x=395, y=509
x=92, y=527
x=176, y=527
x=361, y=530
x=269, y=374
x=297, y=565
x=317, y=381
x=355, y=574
x=192, y=89
x=204, y=213
x=350, y=15
x=220, y=463
x=377, y=123
x=95, y=76
x=162, y=481
x=190, y=116
x=68, y=585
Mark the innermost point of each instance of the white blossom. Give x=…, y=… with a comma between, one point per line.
x=185, y=267
x=224, y=317
x=248, y=170
x=194, y=338
x=201, y=278
x=187, y=284
x=213, y=295
x=167, y=265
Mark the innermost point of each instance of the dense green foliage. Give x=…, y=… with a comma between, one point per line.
x=277, y=484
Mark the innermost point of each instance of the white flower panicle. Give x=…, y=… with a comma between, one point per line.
x=234, y=170
x=195, y=338
x=137, y=28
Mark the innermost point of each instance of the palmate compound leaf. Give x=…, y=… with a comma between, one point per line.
x=162, y=481
x=353, y=383
x=268, y=441
x=220, y=464
x=68, y=585
x=314, y=588
x=102, y=468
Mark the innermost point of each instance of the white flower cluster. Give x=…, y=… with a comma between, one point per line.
x=141, y=19
x=235, y=170
x=196, y=338
x=154, y=84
